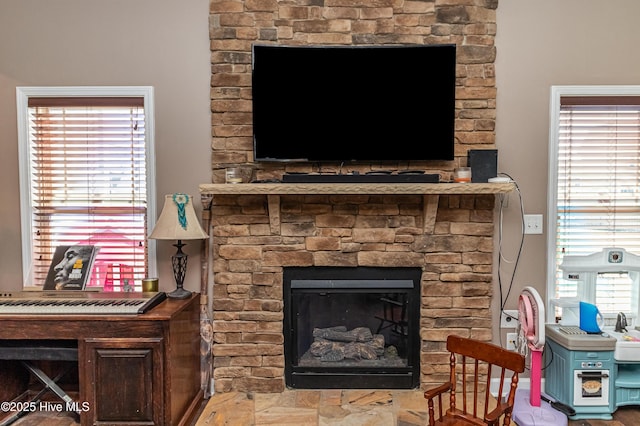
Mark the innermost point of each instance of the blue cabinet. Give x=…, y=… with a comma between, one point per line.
x=582, y=379
x=627, y=384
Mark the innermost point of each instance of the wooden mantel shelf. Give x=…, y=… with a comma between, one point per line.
x=356, y=188
x=430, y=192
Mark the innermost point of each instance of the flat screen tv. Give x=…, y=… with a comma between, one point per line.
x=353, y=103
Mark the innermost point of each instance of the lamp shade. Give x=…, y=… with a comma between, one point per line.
x=178, y=220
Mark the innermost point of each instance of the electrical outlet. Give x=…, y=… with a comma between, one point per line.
x=511, y=341
x=509, y=319
x=533, y=224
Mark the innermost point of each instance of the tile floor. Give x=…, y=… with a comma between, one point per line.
x=320, y=408
x=344, y=408
x=317, y=407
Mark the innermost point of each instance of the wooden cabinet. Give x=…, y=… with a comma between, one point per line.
x=132, y=369
x=135, y=393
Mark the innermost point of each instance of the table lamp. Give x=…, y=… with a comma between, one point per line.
x=178, y=221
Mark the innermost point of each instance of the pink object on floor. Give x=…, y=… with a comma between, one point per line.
x=536, y=379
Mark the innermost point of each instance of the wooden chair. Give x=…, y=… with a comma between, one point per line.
x=475, y=359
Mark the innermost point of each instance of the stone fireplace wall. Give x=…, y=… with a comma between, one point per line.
x=456, y=285
x=249, y=252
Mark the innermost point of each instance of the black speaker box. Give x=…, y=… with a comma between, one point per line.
x=483, y=163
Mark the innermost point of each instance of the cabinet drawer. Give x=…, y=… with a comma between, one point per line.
x=593, y=356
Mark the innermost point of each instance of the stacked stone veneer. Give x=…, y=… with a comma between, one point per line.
x=254, y=237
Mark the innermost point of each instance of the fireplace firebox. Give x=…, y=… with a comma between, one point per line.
x=352, y=327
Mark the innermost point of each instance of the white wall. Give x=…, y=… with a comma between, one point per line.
x=159, y=43
x=539, y=44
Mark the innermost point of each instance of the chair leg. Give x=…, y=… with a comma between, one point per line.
x=431, y=412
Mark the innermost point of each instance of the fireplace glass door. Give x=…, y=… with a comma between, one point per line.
x=352, y=327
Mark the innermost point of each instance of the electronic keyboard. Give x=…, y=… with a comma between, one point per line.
x=78, y=302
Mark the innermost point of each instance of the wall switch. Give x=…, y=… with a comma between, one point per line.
x=508, y=319
x=533, y=224
x=511, y=341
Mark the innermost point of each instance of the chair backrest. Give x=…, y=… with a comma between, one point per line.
x=472, y=364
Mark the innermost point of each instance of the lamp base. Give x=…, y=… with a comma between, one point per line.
x=179, y=262
x=179, y=293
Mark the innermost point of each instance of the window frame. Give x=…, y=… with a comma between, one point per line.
x=23, y=93
x=557, y=92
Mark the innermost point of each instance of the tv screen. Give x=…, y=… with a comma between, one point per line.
x=353, y=103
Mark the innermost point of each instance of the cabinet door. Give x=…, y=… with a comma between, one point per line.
x=124, y=381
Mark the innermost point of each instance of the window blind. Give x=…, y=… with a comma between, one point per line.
x=88, y=184
x=598, y=176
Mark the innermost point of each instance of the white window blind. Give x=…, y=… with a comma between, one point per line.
x=597, y=202
x=88, y=184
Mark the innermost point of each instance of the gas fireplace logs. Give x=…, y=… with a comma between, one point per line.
x=337, y=343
